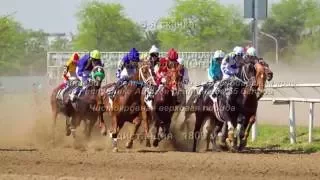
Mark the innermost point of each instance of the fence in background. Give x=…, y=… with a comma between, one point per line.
x=291, y=102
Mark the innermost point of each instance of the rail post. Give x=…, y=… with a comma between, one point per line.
x=254, y=131
x=311, y=118
x=292, y=122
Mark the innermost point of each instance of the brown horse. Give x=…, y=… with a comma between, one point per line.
x=127, y=105
x=165, y=101
x=82, y=109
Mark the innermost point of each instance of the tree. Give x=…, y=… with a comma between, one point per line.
x=104, y=26
x=201, y=25
x=288, y=20
x=60, y=44
x=12, y=45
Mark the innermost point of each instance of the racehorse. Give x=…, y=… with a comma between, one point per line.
x=240, y=110
x=82, y=108
x=126, y=106
x=165, y=101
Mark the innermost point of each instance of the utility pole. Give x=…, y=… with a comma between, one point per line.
x=255, y=26
x=255, y=10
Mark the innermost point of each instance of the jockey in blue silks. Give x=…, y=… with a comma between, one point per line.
x=214, y=71
x=127, y=67
x=83, y=70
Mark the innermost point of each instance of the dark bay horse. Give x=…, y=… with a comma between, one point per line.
x=244, y=98
x=165, y=101
x=82, y=108
x=126, y=106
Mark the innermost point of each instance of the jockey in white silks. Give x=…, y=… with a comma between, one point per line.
x=229, y=66
x=184, y=72
x=185, y=81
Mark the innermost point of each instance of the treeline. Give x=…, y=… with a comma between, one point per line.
x=192, y=25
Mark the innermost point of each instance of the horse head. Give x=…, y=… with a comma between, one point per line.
x=145, y=73
x=268, y=71
x=146, y=76
x=263, y=74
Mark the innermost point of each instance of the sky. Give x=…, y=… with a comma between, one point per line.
x=58, y=16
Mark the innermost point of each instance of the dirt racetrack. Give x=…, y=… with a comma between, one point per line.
x=47, y=164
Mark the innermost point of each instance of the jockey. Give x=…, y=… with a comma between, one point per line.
x=214, y=70
x=251, y=55
x=126, y=68
x=239, y=52
x=69, y=71
x=229, y=69
x=185, y=81
x=184, y=72
x=154, y=55
x=162, y=71
x=229, y=66
x=84, y=68
x=70, y=67
x=172, y=55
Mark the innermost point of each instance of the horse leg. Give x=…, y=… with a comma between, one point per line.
x=215, y=133
x=156, y=135
x=68, y=131
x=145, y=120
x=102, y=124
x=75, y=120
x=136, y=122
x=230, y=139
x=244, y=140
x=207, y=128
x=196, y=131
x=114, y=133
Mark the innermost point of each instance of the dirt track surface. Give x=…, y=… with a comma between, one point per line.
x=63, y=162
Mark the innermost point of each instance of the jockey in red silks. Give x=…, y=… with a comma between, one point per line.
x=161, y=71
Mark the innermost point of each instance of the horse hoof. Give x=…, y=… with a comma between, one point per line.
x=155, y=143
x=115, y=149
x=129, y=145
